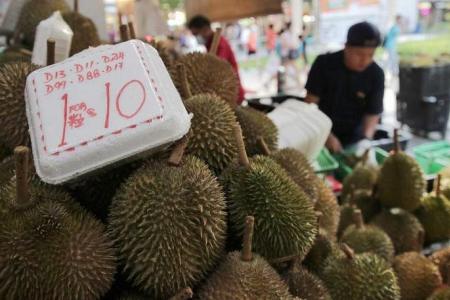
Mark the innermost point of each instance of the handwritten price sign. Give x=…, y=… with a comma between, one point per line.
x=88, y=98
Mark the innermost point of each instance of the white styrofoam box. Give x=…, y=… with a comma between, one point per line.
x=301, y=126
x=52, y=28
x=96, y=109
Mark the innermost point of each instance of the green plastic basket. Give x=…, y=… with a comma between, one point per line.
x=433, y=152
x=325, y=162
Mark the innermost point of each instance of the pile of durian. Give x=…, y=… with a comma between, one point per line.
x=221, y=214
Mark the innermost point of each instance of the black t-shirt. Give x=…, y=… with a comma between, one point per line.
x=346, y=96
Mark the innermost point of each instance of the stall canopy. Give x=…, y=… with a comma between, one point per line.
x=219, y=10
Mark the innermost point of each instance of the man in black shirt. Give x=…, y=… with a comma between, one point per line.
x=348, y=86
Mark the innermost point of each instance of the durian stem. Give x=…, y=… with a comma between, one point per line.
x=215, y=42
x=21, y=155
x=358, y=219
x=365, y=156
x=243, y=158
x=119, y=17
x=50, y=52
x=438, y=185
x=124, y=33
x=75, y=6
x=283, y=259
x=178, y=152
x=184, y=294
x=185, y=89
x=132, y=31
x=294, y=265
x=348, y=251
x=262, y=143
x=396, y=142
x=247, y=254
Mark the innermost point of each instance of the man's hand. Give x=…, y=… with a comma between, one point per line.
x=333, y=144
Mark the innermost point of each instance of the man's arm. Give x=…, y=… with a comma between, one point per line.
x=311, y=98
x=370, y=123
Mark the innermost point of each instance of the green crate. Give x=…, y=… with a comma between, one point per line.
x=433, y=151
x=325, y=162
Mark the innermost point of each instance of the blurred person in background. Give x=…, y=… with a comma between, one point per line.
x=200, y=26
x=252, y=43
x=390, y=45
x=348, y=87
x=271, y=38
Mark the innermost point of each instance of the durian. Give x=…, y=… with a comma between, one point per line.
x=401, y=181
x=13, y=119
x=285, y=221
x=346, y=216
x=443, y=292
x=32, y=13
x=211, y=138
x=360, y=276
x=50, y=248
x=202, y=71
x=95, y=193
x=322, y=249
x=367, y=238
x=441, y=259
x=367, y=203
x=256, y=125
x=15, y=54
x=169, y=224
x=405, y=231
x=328, y=206
x=167, y=57
x=363, y=177
x=244, y=275
x=183, y=294
x=297, y=166
x=304, y=284
x=434, y=214
x=85, y=33
x=418, y=277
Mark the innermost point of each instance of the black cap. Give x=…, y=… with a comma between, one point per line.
x=363, y=34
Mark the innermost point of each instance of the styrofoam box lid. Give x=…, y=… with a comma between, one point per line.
x=100, y=107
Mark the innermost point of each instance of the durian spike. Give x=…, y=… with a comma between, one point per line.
x=184, y=294
x=352, y=201
x=185, y=89
x=178, y=152
x=347, y=251
x=262, y=143
x=438, y=185
x=124, y=33
x=319, y=216
x=50, y=52
x=21, y=156
x=247, y=254
x=243, y=158
x=75, y=6
x=358, y=218
x=396, y=142
x=132, y=31
x=215, y=41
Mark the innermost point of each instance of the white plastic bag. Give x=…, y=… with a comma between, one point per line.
x=52, y=28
